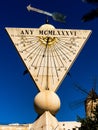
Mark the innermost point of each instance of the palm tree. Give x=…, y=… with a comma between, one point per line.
x=89, y=123
x=93, y=13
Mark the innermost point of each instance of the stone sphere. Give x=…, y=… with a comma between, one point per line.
x=47, y=26
x=46, y=101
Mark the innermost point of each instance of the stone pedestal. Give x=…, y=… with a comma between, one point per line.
x=45, y=122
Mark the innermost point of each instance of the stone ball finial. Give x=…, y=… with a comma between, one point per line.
x=46, y=101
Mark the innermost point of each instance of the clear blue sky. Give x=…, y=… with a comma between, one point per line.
x=17, y=91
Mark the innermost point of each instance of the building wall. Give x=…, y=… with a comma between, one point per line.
x=13, y=127
x=72, y=125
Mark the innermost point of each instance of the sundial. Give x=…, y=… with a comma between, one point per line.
x=48, y=53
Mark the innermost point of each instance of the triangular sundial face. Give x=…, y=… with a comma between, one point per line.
x=48, y=53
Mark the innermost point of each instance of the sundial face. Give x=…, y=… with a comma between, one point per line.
x=48, y=53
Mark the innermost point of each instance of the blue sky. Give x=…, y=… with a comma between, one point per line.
x=17, y=91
